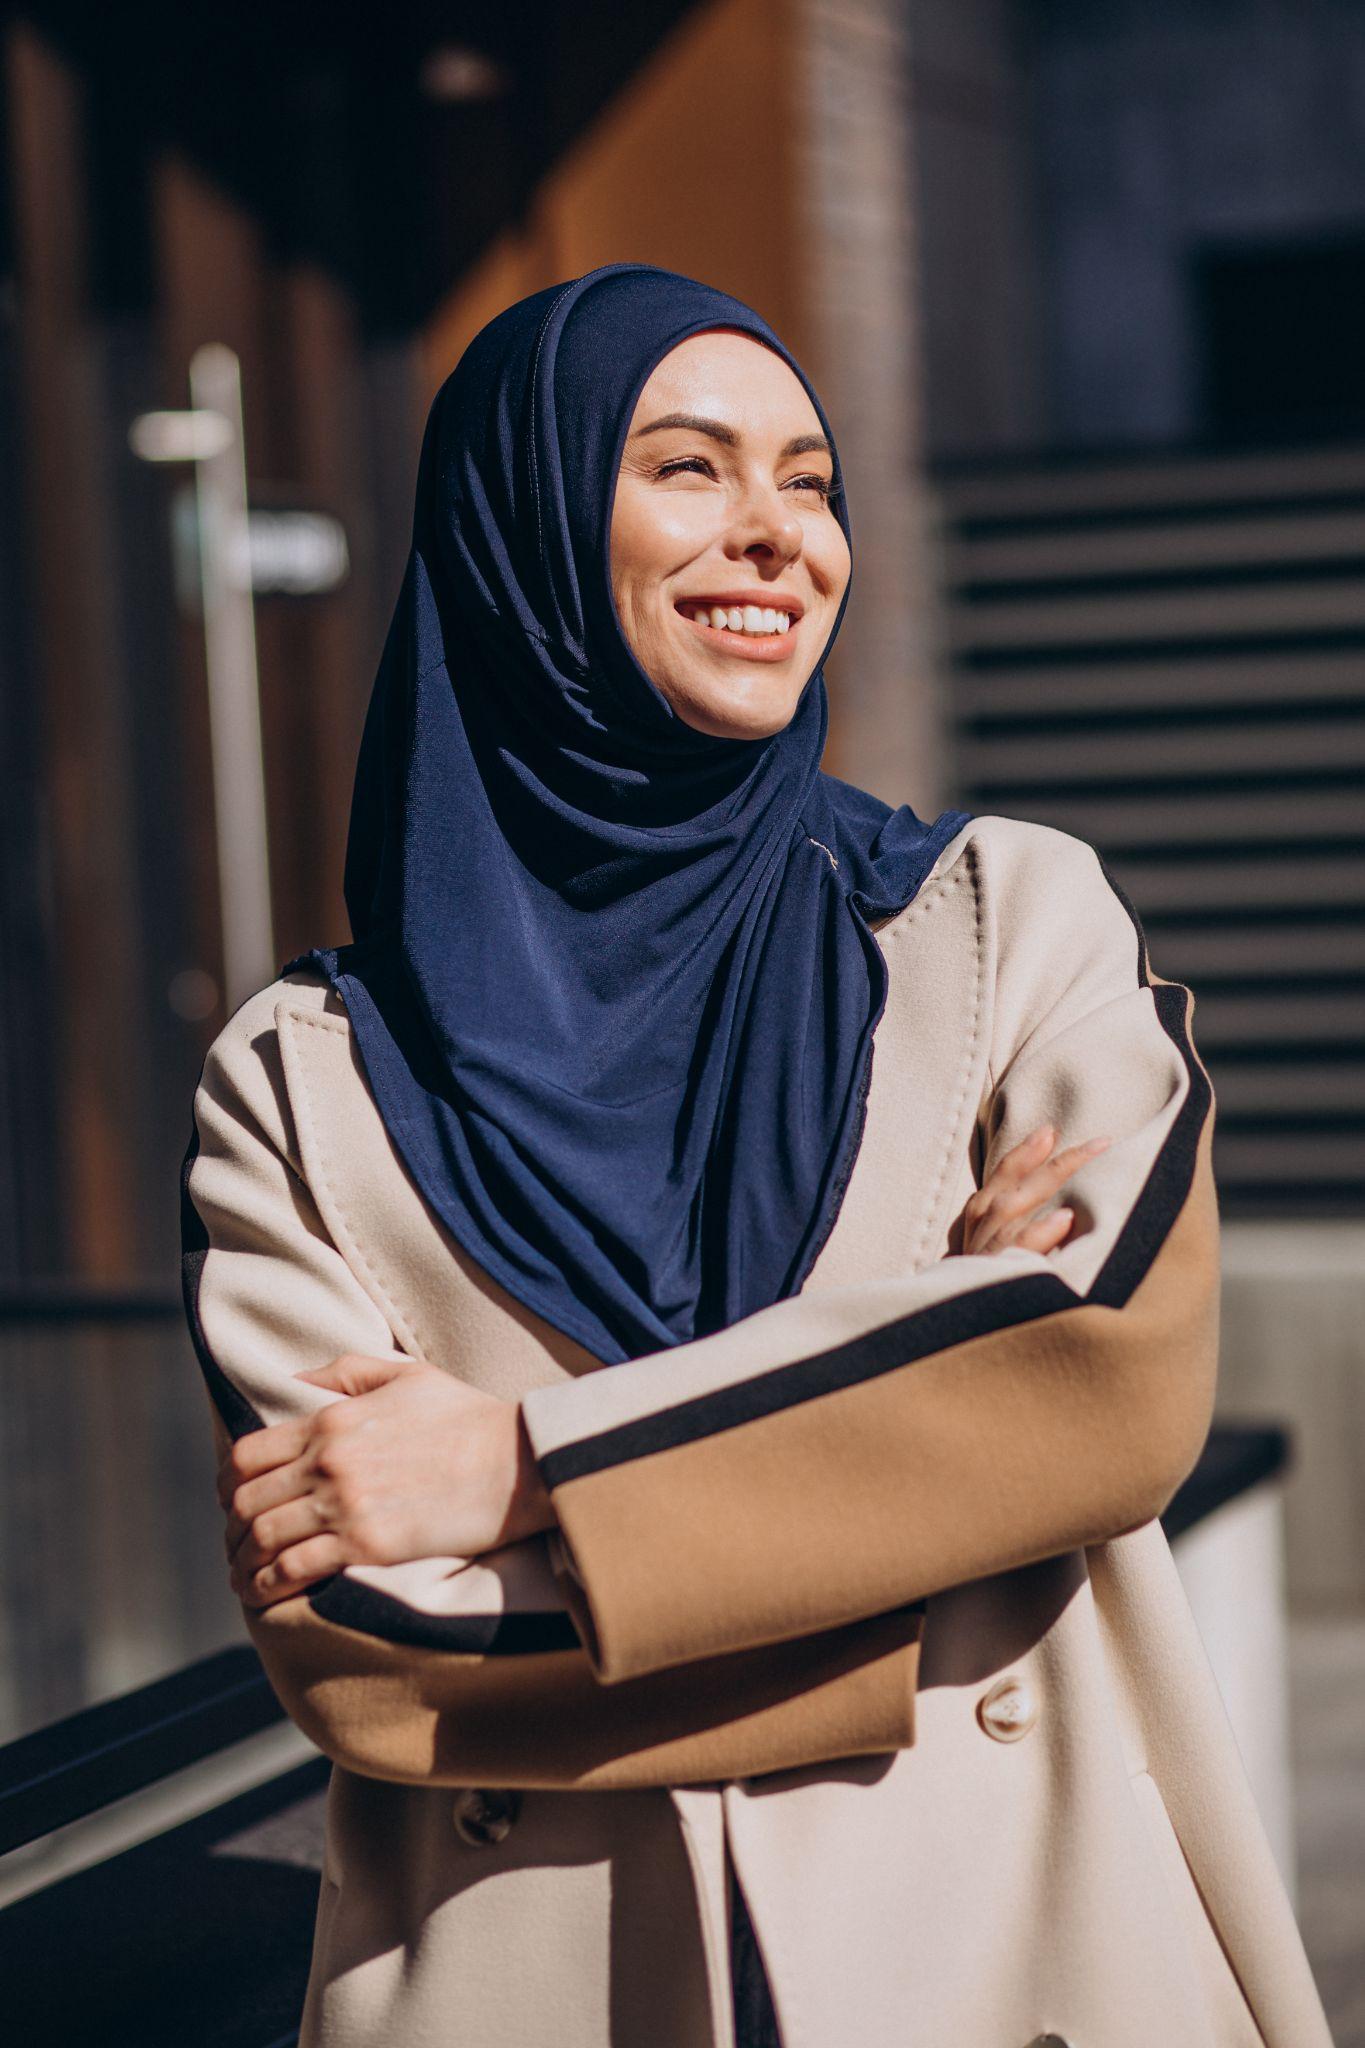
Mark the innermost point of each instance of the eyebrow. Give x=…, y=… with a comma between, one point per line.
x=800, y=444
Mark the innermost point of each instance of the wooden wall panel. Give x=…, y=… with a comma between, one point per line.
x=84, y=727
x=692, y=166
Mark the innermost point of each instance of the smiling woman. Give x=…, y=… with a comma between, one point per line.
x=728, y=567
x=679, y=1462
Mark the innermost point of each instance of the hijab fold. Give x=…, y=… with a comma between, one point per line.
x=611, y=979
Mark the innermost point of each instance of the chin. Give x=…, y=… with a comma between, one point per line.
x=734, y=714
x=730, y=721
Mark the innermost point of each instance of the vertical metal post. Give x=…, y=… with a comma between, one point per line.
x=233, y=682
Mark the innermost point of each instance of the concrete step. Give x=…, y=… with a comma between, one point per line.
x=1170, y=546
x=1178, y=826
x=1180, y=683
x=1279, y=1089
x=1252, y=612
x=1266, y=750
x=1134, y=487
x=1263, y=882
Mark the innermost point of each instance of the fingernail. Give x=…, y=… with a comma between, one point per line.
x=1045, y=1131
x=1098, y=1144
x=1068, y=1213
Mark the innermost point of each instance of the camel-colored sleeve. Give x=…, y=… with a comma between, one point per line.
x=850, y=1450
x=446, y=1671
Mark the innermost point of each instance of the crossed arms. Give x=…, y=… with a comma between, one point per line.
x=749, y=1525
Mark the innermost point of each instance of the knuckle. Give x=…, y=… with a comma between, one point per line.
x=334, y=1460
x=365, y=1536
x=335, y=1465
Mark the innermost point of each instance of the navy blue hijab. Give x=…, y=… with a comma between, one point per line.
x=612, y=980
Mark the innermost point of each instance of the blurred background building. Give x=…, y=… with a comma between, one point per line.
x=1083, y=285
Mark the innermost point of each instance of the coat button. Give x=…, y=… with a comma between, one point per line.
x=1007, y=1712
x=483, y=1818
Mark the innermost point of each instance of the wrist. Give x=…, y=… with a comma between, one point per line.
x=530, y=1509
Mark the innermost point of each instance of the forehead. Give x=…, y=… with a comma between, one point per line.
x=731, y=377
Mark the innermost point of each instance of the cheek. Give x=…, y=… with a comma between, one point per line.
x=654, y=535
x=828, y=557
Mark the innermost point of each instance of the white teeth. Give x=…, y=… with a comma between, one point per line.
x=749, y=618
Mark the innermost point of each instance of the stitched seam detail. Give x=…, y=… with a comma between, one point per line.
x=374, y=1285
x=320, y=1020
x=928, y=899
x=959, y=1104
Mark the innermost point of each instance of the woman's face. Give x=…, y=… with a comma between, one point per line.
x=722, y=519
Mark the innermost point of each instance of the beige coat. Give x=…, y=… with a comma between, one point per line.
x=867, y=1588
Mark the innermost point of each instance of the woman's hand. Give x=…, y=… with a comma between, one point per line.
x=1026, y=1177
x=414, y=1464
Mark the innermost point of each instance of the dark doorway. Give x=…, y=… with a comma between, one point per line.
x=1282, y=339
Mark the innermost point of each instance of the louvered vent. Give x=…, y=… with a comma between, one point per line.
x=1167, y=656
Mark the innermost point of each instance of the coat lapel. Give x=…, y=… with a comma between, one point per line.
x=929, y=1074
x=439, y=1302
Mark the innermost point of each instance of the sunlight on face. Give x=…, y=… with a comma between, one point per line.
x=727, y=562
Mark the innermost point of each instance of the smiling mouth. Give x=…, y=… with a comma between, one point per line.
x=742, y=624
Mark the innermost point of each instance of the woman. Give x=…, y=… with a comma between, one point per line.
x=594, y=1088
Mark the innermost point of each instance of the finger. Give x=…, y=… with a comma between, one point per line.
x=1045, y=1179
x=1048, y=1232
x=357, y=1375
x=1002, y=1229
x=1013, y=1171
x=259, y=1451
x=1026, y=1153
x=1040, y=1182
x=1073, y=1156
x=270, y=1534
x=255, y=1496
x=303, y=1564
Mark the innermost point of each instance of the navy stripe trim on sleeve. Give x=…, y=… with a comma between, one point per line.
x=350, y=1603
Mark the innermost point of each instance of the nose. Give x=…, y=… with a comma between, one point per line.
x=765, y=528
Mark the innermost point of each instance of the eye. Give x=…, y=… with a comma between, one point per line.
x=680, y=463
x=823, y=486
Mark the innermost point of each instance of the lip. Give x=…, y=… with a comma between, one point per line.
x=745, y=646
